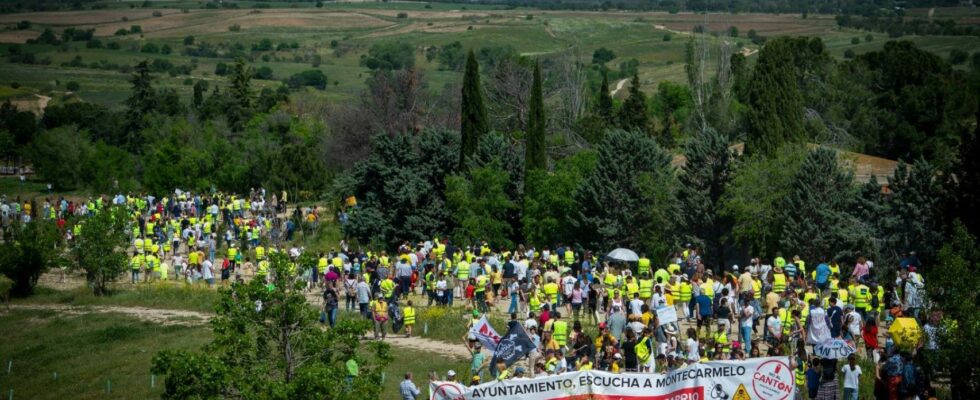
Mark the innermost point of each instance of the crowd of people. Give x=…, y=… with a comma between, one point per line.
x=581, y=310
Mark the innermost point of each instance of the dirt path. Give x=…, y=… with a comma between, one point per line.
x=619, y=86
x=431, y=346
x=155, y=315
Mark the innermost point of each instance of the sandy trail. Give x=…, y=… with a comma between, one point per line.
x=619, y=86
x=154, y=315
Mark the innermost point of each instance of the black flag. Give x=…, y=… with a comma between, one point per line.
x=513, y=346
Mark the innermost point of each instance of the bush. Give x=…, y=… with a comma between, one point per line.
x=235, y=28
x=121, y=32
x=958, y=56
x=848, y=53
x=157, y=14
x=151, y=48
x=112, y=46
x=529, y=17
x=72, y=86
x=94, y=44
x=402, y=15
x=666, y=37
x=855, y=40
x=221, y=69
x=188, y=40
x=165, y=49
x=389, y=56
x=313, y=77
x=602, y=55
x=24, y=25
x=869, y=37
x=263, y=72
x=136, y=29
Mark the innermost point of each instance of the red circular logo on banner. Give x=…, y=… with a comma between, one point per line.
x=448, y=391
x=773, y=380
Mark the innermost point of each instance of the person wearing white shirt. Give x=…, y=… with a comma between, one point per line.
x=852, y=377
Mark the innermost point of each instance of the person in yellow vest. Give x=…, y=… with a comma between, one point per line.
x=646, y=287
x=800, y=266
x=559, y=329
x=721, y=338
x=379, y=313
x=259, y=252
x=135, y=264
x=643, y=265
x=551, y=291
x=708, y=286
x=862, y=298
x=632, y=287
x=778, y=280
x=480, y=292
x=408, y=314
x=569, y=256
x=388, y=288
x=685, y=290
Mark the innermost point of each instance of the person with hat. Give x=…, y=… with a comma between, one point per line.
x=519, y=372
x=475, y=380
x=451, y=376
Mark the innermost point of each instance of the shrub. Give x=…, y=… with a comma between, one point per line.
x=136, y=29
x=263, y=72
x=313, y=77
x=235, y=28
x=221, y=69
x=869, y=37
x=848, y=53
x=121, y=32
x=188, y=40
x=157, y=14
x=855, y=40
x=402, y=15
x=112, y=46
x=666, y=37
x=72, y=86
x=151, y=48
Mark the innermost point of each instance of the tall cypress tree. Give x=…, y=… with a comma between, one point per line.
x=702, y=184
x=775, y=114
x=140, y=103
x=536, y=157
x=604, y=106
x=633, y=115
x=240, y=108
x=473, y=113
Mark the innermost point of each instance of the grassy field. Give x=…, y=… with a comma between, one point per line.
x=357, y=26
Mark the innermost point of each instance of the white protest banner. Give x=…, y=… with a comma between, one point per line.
x=485, y=333
x=834, y=348
x=666, y=315
x=756, y=378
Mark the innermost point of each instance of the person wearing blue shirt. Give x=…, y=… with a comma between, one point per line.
x=704, y=310
x=823, y=273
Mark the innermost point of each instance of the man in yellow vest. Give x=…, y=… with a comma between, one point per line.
x=480, y=292
x=551, y=290
x=862, y=299
x=559, y=329
x=646, y=287
x=779, y=281
x=643, y=265
x=684, y=296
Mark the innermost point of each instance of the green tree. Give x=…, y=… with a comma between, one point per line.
x=200, y=87
x=672, y=104
x=240, y=108
x=914, y=220
x=53, y=164
x=754, y=196
x=98, y=249
x=267, y=344
x=400, y=188
x=708, y=168
x=480, y=205
x=775, y=109
x=633, y=113
x=604, y=102
x=628, y=199
x=537, y=152
x=31, y=250
x=820, y=209
x=602, y=55
x=952, y=289
x=548, y=203
x=473, y=113
x=140, y=104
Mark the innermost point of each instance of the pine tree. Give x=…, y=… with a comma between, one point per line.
x=537, y=157
x=633, y=114
x=604, y=104
x=240, y=106
x=140, y=104
x=707, y=171
x=629, y=198
x=473, y=113
x=819, y=210
x=775, y=107
x=913, y=220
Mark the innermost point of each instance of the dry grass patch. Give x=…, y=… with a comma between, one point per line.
x=74, y=18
